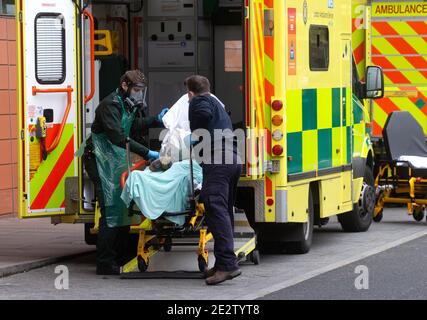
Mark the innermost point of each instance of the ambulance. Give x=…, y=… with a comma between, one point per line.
x=394, y=37
x=285, y=70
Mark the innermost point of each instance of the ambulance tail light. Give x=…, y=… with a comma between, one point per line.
x=277, y=135
x=277, y=120
x=277, y=105
x=277, y=150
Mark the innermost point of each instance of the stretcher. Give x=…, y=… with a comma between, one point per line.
x=402, y=175
x=158, y=234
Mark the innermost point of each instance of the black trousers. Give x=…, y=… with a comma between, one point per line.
x=112, y=244
x=219, y=195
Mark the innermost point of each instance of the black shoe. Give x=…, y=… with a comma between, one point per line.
x=112, y=270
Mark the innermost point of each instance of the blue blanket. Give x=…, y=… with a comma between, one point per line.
x=158, y=192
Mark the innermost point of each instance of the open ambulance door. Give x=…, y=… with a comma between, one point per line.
x=48, y=100
x=256, y=143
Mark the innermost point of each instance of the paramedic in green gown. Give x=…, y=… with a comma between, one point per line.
x=118, y=117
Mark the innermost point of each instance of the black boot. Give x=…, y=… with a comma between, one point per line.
x=111, y=270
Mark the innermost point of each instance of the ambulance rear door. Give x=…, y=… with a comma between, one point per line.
x=48, y=100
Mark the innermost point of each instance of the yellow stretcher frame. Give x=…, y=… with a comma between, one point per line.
x=146, y=250
x=415, y=206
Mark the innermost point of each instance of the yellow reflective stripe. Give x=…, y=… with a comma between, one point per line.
x=58, y=196
x=309, y=150
x=343, y=152
x=384, y=46
x=324, y=118
x=46, y=166
x=269, y=69
x=401, y=27
x=400, y=62
x=415, y=77
x=349, y=103
x=294, y=111
x=336, y=145
x=405, y=104
x=380, y=116
x=260, y=65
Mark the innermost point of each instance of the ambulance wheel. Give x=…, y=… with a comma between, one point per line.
x=203, y=264
x=270, y=247
x=254, y=257
x=306, y=229
x=167, y=246
x=142, y=265
x=378, y=217
x=360, y=218
x=418, y=214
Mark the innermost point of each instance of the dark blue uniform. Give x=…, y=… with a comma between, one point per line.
x=219, y=179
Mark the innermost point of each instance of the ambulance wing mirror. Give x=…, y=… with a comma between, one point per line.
x=374, y=83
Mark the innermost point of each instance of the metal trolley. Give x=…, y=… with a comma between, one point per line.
x=401, y=180
x=160, y=233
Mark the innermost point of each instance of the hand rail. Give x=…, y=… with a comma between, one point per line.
x=92, y=56
x=69, y=90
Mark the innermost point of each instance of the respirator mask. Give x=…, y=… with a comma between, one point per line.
x=136, y=99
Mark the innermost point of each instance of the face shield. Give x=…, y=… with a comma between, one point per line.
x=137, y=96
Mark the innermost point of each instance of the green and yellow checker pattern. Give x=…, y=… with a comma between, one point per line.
x=318, y=129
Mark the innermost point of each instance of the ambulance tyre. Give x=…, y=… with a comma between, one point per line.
x=294, y=238
x=90, y=239
x=306, y=232
x=360, y=218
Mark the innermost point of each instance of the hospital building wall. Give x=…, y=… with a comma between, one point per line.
x=8, y=120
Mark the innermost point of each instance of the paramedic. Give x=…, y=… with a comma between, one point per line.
x=219, y=178
x=119, y=116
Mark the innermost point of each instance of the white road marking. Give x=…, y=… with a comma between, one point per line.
x=288, y=283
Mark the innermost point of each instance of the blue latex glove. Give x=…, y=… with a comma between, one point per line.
x=153, y=155
x=188, y=140
x=162, y=114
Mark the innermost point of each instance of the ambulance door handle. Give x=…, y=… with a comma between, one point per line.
x=69, y=90
x=92, y=56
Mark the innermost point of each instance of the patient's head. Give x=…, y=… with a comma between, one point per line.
x=197, y=85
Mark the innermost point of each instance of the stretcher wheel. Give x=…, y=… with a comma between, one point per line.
x=203, y=264
x=167, y=246
x=418, y=214
x=142, y=265
x=378, y=217
x=254, y=257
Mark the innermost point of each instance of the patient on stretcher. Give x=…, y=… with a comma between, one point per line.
x=164, y=187
x=155, y=193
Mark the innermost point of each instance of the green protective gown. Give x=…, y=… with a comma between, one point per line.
x=111, y=162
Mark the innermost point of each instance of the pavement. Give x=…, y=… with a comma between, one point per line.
x=396, y=245
x=33, y=243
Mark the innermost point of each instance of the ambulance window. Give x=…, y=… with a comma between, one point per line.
x=319, y=48
x=50, y=48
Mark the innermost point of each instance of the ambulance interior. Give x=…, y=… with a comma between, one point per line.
x=169, y=40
